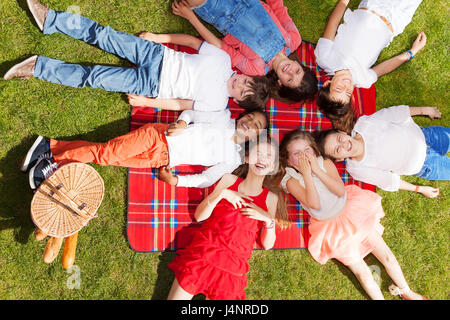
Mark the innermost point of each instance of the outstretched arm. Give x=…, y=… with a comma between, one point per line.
x=175, y=38
x=390, y=65
x=427, y=191
x=335, y=20
x=431, y=112
x=165, y=104
x=182, y=9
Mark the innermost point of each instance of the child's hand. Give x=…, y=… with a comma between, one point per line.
x=304, y=166
x=181, y=8
x=429, y=192
x=312, y=159
x=166, y=175
x=176, y=128
x=419, y=43
x=254, y=212
x=138, y=101
x=432, y=112
x=235, y=198
x=157, y=38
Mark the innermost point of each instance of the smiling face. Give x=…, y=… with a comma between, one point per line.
x=341, y=86
x=290, y=73
x=262, y=158
x=340, y=146
x=296, y=148
x=239, y=87
x=251, y=125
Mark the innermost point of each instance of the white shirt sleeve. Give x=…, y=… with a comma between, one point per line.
x=208, y=177
x=369, y=79
x=187, y=116
x=384, y=180
x=209, y=49
x=322, y=52
x=396, y=114
x=216, y=117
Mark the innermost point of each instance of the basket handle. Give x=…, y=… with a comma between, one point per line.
x=67, y=200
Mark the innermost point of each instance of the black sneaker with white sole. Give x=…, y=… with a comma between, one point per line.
x=40, y=172
x=39, y=150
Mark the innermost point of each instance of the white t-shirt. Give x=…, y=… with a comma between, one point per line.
x=356, y=47
x=394, y=145
x=330, y=204
x=199, y=77
x=207, y=144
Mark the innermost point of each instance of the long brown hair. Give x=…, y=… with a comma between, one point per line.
x=270, y=182
x=341, y=115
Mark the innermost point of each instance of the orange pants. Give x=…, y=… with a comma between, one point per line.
x=145, y=147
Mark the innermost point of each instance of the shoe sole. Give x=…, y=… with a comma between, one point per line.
x=26, y=160
x=30, y=177
x=8, y=74
x=30, y=6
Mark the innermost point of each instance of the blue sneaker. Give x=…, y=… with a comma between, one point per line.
x=41, y=171
x=39, y=150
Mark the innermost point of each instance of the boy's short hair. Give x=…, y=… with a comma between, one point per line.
x=259, y=95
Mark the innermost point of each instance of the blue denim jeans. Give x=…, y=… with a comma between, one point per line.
x=437, y=164
x=146, y=55
x=248, y=21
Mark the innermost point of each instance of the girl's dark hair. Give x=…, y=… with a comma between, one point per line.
x=320, y=137
x=305, y=91
x=260, y=92
x=270, y=182
x=341, y=115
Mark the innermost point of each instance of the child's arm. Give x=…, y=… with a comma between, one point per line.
x=206, y=207
x=183, y=10
x=335, y=20
x=330, y=177
x=202, y=180
x=395, y=62
x=252, y=211
x=427, y=191
x=431, y=112
x=283, y=17
x=175, y=38
x=166, y=104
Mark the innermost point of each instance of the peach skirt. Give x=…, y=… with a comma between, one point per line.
x=351, y=235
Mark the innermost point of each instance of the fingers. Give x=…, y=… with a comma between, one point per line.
x=436, y=113
x=244, y=196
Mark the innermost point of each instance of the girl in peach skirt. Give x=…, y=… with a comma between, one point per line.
x=345, y=220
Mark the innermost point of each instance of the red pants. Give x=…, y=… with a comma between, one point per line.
x=145, y=147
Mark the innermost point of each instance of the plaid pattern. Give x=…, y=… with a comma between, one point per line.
x=160, y=216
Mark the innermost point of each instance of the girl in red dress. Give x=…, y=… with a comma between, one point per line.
x=235, y=214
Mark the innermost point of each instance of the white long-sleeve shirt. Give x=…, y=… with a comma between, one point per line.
x=394, y=145
x=207, y=142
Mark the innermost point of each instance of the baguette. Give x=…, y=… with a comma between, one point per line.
x=52, y=249
x=70, y=247
x=39, y=235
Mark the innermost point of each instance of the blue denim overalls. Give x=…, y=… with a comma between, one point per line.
x=248, y=21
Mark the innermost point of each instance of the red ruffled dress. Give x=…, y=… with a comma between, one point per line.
x=215, y=263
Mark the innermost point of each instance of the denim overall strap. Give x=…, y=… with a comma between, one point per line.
x=248, y=21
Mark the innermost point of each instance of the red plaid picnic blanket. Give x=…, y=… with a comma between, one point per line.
x=160, y=216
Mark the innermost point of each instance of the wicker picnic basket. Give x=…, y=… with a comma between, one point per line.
x=65, y=202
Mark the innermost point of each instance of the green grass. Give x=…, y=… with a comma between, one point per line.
x=417, y=229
